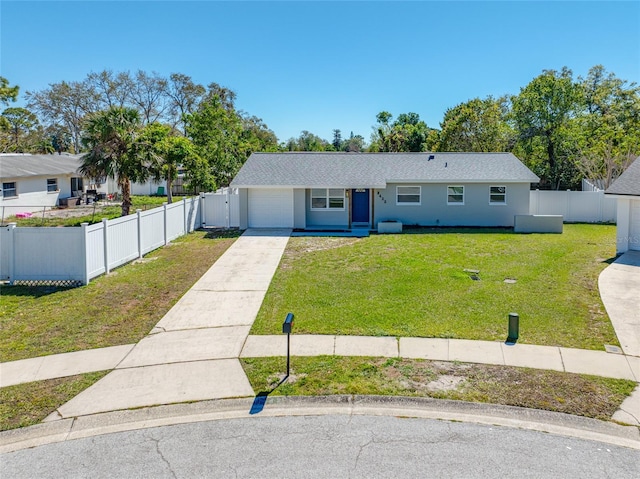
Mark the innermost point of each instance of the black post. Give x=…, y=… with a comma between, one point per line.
x=514, y=327
x=286, y=328
x=288, y=352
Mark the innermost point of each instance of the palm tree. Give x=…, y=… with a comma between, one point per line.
x=114, y=150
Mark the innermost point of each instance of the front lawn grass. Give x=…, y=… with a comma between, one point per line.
x=114, y=309
x=28, y=404
x=582, y=395
x=415, y=284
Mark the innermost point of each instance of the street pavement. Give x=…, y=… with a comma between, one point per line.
x=326, y=446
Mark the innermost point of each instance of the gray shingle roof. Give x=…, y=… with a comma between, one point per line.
x=628, y=183
x=17, y=166
x=375, y=170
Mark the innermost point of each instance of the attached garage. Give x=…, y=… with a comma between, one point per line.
x=270, y=208
x=634, y=226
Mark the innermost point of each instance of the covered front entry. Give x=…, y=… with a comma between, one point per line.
x=360, y=206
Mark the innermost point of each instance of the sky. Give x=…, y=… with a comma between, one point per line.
x=323, y=65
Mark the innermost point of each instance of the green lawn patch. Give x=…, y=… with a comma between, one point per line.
x=577, y=394
x=28, y=404
x=415, y=284
x=118, y=308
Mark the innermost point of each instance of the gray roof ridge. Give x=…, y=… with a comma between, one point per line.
x=342, y=153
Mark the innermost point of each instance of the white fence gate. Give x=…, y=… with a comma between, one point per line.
x=76, y=255
x=574, y=206
x=221, y=209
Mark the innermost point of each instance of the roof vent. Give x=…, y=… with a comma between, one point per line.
x=431, y=157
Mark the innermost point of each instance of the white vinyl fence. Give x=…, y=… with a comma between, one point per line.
x=574, y=206
x=76, y=255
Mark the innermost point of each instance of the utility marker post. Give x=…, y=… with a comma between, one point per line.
x=286, y=329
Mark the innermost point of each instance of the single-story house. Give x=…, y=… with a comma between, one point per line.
x=30, y=182
x=312, y=190
x=626, y=189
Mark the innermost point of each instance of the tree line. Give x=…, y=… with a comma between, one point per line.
x=563, y=128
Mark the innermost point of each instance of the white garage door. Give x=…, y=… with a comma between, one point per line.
x=634, y=227
x=270, y=208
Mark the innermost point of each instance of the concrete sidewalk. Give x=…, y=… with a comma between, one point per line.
x=62, y=365
x=619, y=286
x=192, y=353
x=581, y=361
x=231, y=342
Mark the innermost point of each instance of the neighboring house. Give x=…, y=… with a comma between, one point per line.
x=344, y=190
x=150, y=187
x=626, y=189
x=30, y=182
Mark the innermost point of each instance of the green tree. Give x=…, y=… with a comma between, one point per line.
x=168, y=154
x=256, y=135
x=112, y=138
x=337, y=140
x=608, y=133
x=308, y=141
x=7, y=93
x=542, y=115
x=180, y=152
x=354, y=144
x=406, y=133
x=476, y=125
x=59, y=137
x=215, y=129
x=21, y=122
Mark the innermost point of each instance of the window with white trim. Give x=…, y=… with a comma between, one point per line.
x=9, y=190
x=52, y=184
x=498, y=195
x=408, y=195
x=327, y=199
x=455, y=195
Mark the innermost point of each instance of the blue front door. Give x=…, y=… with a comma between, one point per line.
x=360, y=206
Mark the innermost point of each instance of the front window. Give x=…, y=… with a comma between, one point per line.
x=455, y=195
x=408, y=195
x=498, y=195
x=52, y=184
x=327, y=199
x=9, y=190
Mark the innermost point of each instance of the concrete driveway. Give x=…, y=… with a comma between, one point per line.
x=192, y=353
x=619, y=286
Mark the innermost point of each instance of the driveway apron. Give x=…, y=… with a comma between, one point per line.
x=192, y=353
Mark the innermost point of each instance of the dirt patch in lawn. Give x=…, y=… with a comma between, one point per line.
x=299, y=246
x=577, y=394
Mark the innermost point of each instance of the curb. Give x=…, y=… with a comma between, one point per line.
x=279, y=406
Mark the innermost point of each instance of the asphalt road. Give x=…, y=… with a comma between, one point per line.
x=324, y=447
